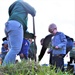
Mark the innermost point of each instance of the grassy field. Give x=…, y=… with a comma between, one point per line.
x=29, y=68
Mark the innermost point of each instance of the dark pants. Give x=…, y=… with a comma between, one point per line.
x=32, y=56
x=50, y=59
x=69, y=66
x=25, y=57
x=71, y=59
x=58, y=62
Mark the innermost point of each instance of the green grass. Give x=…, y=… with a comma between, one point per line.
x=29, y=68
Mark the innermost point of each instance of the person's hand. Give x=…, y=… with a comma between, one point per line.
x=7, y=50
x=49, y=52
x=21, y=55
x=56, y=47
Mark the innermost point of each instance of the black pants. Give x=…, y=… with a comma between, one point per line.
x=50, y=59
x=58, y=61
x=71, y=59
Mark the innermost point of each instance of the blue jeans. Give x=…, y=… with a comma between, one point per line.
x=14, y=32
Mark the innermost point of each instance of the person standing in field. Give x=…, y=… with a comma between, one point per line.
x=58, y=47
x=16, y=27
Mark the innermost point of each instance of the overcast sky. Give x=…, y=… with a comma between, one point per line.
x=60, y=12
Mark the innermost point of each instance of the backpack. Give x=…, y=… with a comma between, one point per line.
x=69, y=43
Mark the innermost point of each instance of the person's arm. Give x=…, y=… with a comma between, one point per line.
x=29, y=9
x=46, y=42
x=63, y=41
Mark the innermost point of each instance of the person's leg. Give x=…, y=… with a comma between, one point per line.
x=26, y=57
x=71, y=59
x=15, y=38
x=50, y=58
x=35, y=58
x=60, y=63
x=53, y=62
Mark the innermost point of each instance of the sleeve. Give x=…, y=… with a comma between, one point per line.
x=44, y=46
x=63, y=40
x=29, y=9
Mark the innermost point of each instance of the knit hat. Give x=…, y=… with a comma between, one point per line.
x=52, y=27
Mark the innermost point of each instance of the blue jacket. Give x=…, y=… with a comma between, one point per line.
x=59, y=40
x=25, y=47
